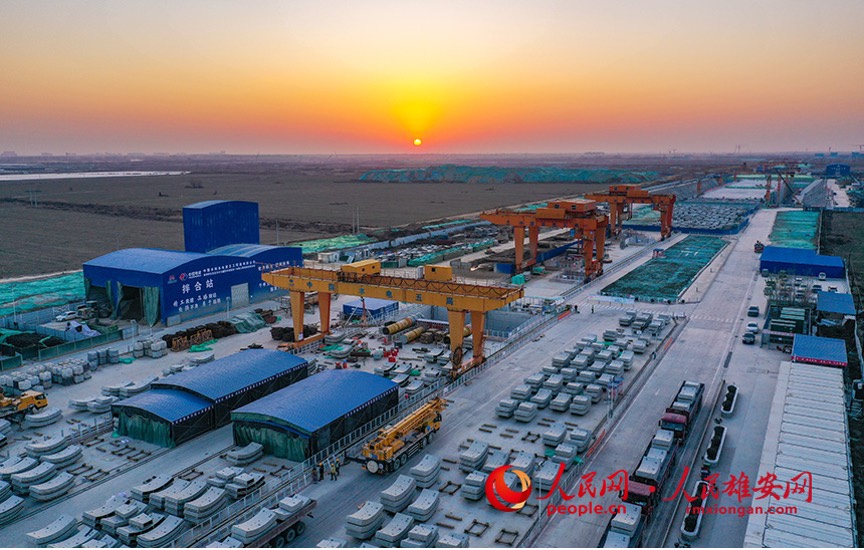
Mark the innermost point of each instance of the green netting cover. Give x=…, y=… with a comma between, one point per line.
x=666, y=278
x=151, y=304
x=795, y=229
x=247, y=322
x=24, y=296
x=334, y=243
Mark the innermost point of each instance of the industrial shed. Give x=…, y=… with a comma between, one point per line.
x=817, y=350
x=376, y=310
x=235, y=380
x=835, y=303
x=220, y=269
x=185, y=405
x=297, y=422
x=799, y=261
x=164, y=417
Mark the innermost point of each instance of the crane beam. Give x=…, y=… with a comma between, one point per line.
x=621, y=198
x=580, y=215
x=365, y=279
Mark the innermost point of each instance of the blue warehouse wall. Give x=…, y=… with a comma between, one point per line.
x=211, y=224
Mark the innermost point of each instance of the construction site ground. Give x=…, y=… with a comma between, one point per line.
x=706, y=347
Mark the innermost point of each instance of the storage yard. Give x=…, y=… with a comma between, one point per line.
x=440, y=385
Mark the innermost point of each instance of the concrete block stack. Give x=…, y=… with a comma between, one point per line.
x=204, y=506
x=256, y=526
x=396, y=530
x=425, y=506
x=246, y=455
x=525, y=412
x=427, y=471
x=244, y=484
x=397, y=497
x=421, y=536
x=363, y=523
x=474, y=456
x=474, y=486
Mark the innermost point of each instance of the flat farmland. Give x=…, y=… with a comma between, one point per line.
x=300, y=197
x=42, y=240
x=73, y=221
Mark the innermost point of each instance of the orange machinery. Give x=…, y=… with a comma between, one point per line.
x=580, y=215
x=365, y=278
x=621, y=199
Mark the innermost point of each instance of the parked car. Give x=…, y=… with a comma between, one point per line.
x=821, y=275
x=753, y=311
x=749, y=338
x=66, y=316
x=832, y=289
x=816, y=288
x=753, y=327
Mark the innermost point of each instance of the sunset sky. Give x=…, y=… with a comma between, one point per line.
x=464, y=76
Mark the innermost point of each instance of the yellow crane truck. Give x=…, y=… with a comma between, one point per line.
x=14, y=408
x=395, y=444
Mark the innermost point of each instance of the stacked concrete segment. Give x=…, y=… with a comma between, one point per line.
x=204, y=506
x=176, y=500
x=363, y=523
x=427, y=471
x=81, y=536
x=142, y=492
x=474, y=486
x=246, y=455
x=244, y=484
x=425, y=506
x=53, y=488
x=43, y=472
x=68, y=456
x=163, y=534
x=396, y=530
x=473, y=457
x=59, y=529
x=397, y=497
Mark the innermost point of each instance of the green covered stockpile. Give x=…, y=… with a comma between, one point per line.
x=795, y=229
x=667, y=277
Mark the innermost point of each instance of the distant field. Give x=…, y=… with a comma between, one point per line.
x=77, y=220
x=41, y=240
x=304, y=196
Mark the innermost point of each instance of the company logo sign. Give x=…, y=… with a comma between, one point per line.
x=501, y=496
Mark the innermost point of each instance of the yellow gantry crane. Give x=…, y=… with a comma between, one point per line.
x=394, y=445
x=366, y=279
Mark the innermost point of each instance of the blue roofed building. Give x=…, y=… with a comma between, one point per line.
x=835, y=305
x=817, y=350
x=802, y=262
x=216, y=272
x=184, y=405
x=309, y=416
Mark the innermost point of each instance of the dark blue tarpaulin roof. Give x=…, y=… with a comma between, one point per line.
x=374, y=306
x=146, y=260
x=169, y=405
x=226, y=377
x=835, y=302
x=319, y=400
x=796, y=260
x=819, y=351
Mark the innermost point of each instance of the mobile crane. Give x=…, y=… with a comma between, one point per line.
x=395, y=444
x=14, y=408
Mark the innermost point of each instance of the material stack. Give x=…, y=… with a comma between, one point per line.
x=248, y=531
x=506, y=408
x=525, y=412
x=474, y=487
x=427, y=471
x=204, y=506
x=244, y=484
x=474, y=456
x=397, y=497
x=421, y=536
x=46, y=417
x=53, y=488
x=246, y=455
x=59, y=529
x=163, y=534
x=396, y=530
x=363, y=523
x=425, y=506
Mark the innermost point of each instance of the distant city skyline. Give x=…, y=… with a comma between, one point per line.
x=463, y=77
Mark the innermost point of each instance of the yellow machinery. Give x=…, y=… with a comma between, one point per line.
x=394, y=445
x=367, y=279
x=28, y=402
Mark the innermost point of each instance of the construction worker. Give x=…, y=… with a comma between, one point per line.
x=592, y=308
x=332, y=471
x=337, y=468
x=321, y=471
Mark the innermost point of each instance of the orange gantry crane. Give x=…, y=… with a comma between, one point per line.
x=365, y=278
x=580, y=215
x=621, y=199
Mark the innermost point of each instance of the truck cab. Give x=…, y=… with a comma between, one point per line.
x=683, y=410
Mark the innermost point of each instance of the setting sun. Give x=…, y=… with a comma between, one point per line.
x=418, y=142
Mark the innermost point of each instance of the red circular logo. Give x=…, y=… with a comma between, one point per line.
x=498, y=491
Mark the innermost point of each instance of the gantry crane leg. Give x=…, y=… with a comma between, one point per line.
x=533, y=240
x=298, y=303
x=519, y=241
